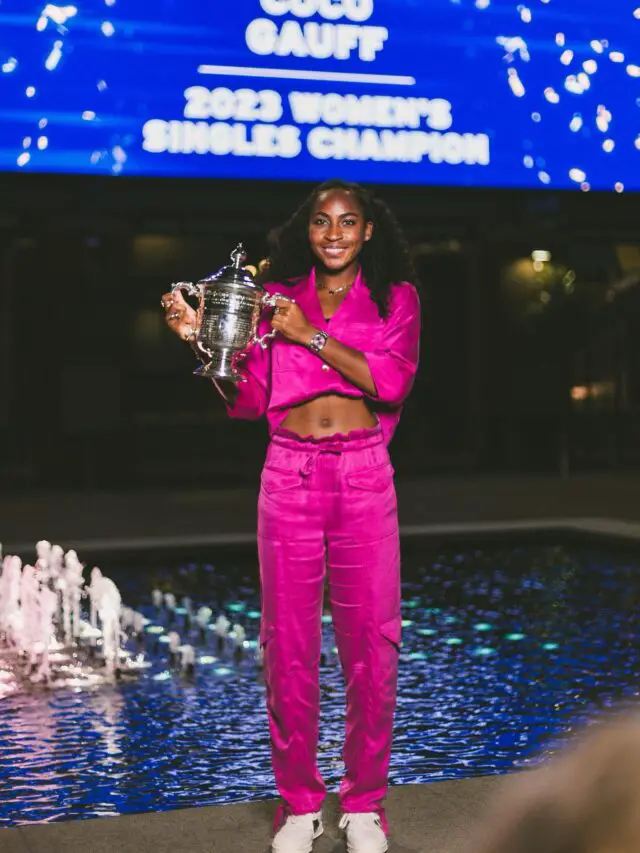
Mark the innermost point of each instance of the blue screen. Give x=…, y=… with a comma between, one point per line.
x=493, y=93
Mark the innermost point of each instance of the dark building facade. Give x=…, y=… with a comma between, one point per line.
x=530, y=357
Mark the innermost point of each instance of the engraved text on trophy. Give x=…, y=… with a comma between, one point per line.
x=228, y=318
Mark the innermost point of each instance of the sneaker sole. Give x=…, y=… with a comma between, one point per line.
x=380, y=849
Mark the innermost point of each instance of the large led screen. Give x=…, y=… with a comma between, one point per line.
x=542, y=93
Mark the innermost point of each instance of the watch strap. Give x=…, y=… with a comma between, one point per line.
x=318, y=341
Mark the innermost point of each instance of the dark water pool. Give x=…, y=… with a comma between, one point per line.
x=505, y=648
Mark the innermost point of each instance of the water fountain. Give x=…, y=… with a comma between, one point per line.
x=187, y=659
x=236, y=640
x=170, y=604
x=202, y=620
x=221, y=629
x=174, y=647
x=44, y=639
x=59, y=629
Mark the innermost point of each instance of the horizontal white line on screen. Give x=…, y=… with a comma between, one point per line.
x=330, y=76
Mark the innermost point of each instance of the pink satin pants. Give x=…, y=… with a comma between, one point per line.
x=329, y=505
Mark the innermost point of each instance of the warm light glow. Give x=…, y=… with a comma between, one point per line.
x=541, y=255
x=579, y=392
x=595, y=390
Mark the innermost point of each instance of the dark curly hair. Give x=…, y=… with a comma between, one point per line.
x=385, y=258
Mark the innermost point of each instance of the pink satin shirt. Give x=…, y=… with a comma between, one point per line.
x=287, y=374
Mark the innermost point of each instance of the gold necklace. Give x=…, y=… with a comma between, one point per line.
x=335, y=290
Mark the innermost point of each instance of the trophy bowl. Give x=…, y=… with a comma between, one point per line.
x=230, y=303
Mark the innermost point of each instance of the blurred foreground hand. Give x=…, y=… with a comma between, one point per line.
x=585, y=799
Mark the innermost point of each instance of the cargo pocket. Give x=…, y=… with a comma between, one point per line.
x=278, y=480
x=392, y=631
x=372, y=479
x=266, y=633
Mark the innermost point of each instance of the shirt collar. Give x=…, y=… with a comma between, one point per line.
x=351, y=298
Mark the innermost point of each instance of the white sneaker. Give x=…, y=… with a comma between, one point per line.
x=297, y=833
x=364, y=832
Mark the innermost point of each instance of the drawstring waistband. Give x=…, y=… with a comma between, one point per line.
x=311, y=447
x=355, y=440
x=309, y=464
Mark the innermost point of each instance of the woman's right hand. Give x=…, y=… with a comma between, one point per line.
x=179, y=316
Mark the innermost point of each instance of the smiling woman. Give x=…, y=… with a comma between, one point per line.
x=337, y=235
x=332, y=387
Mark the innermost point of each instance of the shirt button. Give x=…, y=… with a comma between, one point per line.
x=325, y=367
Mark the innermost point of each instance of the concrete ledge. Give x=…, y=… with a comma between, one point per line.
x=594, y=527
x=604, y=505
x=438, y=817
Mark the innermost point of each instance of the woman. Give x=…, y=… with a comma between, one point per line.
x=332, y=385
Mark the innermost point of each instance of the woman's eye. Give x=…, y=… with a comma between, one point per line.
x=349, y=222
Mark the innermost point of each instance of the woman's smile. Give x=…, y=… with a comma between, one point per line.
x=333, y=251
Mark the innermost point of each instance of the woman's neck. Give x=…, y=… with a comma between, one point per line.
x=341, y=278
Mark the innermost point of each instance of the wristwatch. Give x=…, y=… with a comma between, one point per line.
x=318, y=341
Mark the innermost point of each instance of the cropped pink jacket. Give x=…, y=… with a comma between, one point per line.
x=287, y=374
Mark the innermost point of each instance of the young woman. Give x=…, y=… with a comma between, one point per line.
x=331, y=385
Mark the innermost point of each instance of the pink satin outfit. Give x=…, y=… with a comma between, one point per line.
x=328, y=506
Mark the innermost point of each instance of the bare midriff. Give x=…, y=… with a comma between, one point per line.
x=329, y=414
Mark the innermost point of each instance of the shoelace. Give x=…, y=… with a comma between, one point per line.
x=284, y=819
x=364, y=819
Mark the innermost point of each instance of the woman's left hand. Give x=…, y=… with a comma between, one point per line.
x=289, y=319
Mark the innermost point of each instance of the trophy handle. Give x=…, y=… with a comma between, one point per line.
x=262, y=340
x=269, y=300
x=191, y=290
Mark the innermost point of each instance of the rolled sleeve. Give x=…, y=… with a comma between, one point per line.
x=394, y=362
x=253, y=393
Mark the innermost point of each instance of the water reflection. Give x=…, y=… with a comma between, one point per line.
x=503, y=650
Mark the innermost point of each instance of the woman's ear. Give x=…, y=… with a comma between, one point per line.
x=368, y=231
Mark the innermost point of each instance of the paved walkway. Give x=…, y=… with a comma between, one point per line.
x=98, y=521
x=435, y=818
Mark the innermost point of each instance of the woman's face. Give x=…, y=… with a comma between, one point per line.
x=337, y=229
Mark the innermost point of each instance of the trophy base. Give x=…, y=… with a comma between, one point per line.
x=222, y=366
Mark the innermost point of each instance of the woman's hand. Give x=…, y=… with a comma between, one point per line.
x=289, y=319
x=179, y=316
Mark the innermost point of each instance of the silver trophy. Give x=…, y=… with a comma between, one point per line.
x=230, y=304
